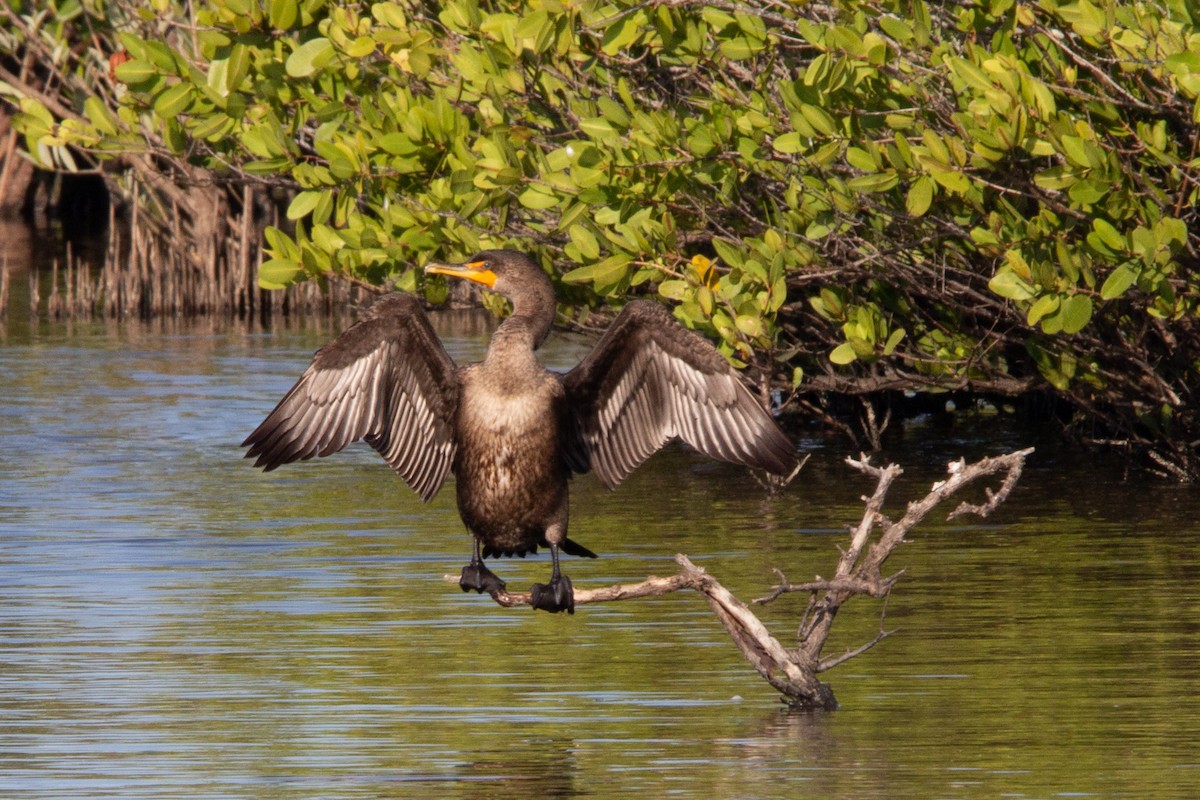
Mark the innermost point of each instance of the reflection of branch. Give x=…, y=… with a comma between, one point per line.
x=793, y=672
x=777, y=483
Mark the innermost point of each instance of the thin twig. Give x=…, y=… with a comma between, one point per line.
x=829, y=664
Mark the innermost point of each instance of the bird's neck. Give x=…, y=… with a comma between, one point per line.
x=533, y=311
x=511, y=350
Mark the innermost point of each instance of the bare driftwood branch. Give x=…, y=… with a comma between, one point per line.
x=793, y=671
x=774, y=662
x=651, y=587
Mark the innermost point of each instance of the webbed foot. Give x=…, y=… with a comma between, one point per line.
x=558, y=595
x=478, y=577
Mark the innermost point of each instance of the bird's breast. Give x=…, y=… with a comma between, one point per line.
x=504, y=412
x=510, y=474
x=509, y=430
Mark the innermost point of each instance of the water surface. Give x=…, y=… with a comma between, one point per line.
x=174, y=623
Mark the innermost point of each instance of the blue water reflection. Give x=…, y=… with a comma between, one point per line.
x=174, y=623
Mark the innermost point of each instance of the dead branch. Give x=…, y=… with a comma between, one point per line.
x=872, y=588
x=793, y=672
x=857, y=651
x=651, y=587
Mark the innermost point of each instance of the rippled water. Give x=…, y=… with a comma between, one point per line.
x=174, y=623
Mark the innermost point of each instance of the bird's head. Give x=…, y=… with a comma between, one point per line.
x=514, y=275
x=502, y=271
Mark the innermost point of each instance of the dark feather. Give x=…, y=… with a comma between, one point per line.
x=649, y=380
x=387, y=381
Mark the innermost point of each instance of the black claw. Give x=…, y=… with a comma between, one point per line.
x=557, y=596
x=478, y=577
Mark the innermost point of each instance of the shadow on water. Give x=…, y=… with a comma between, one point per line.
x=174, y=623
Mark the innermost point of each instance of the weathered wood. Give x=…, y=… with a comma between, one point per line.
x=793, y=672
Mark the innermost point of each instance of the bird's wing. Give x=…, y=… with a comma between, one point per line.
x=649, y=380
x=388, y=381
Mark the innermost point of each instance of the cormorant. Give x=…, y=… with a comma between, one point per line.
x=510, y=430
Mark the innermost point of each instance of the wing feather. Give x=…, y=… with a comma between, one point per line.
x=387, y=381
x=649, y=380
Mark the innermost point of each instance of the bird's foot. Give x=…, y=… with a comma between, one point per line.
x=558, y=595
x=478, y=577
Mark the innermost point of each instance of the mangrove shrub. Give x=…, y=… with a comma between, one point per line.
x=853, y=196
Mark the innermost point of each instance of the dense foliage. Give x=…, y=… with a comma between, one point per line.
x=861, y=196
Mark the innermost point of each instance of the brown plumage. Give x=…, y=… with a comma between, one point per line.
x=510, y=430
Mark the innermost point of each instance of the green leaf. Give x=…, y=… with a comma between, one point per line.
x=623, y=32
x=1007, y=284
x=896, y=28
x=266, y=166
x=741, y=48
x=613, y=111
x=309, y=57
x=538, y=198
x=572, y=215
x=819, y=118
x=1076, y=313
x=236, y=70
x=585, y=240
x=390, y=15
x=920, y=196
x=1118, y=282
x=324, y=208
x=278, y=273
x=161, y=56
x=949, y=178
x=843, y=354
x=327, y=239
x=215, y=126
x=608, y=272
x=750, y=325
x=136, y=71
x=789, y=143
x=101, y=118
x=1056, y=178
x=598, y=128
x=970, y=74
x=361, y=47
x=701, y=141
x=282, y=14
x=1108, y=234
x=1077, y=150
x=674, y=289
x=280, y=244
x=1085, y=18
x=303, y=203
x=877, y=182
x=893, y=341
x=1046, y=304
x=818, y=228
x=860, y=159
x=174, y=101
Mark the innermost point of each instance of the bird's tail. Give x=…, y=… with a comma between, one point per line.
x=573, y=548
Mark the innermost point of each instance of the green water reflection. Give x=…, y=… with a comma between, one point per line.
x=174, y=623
